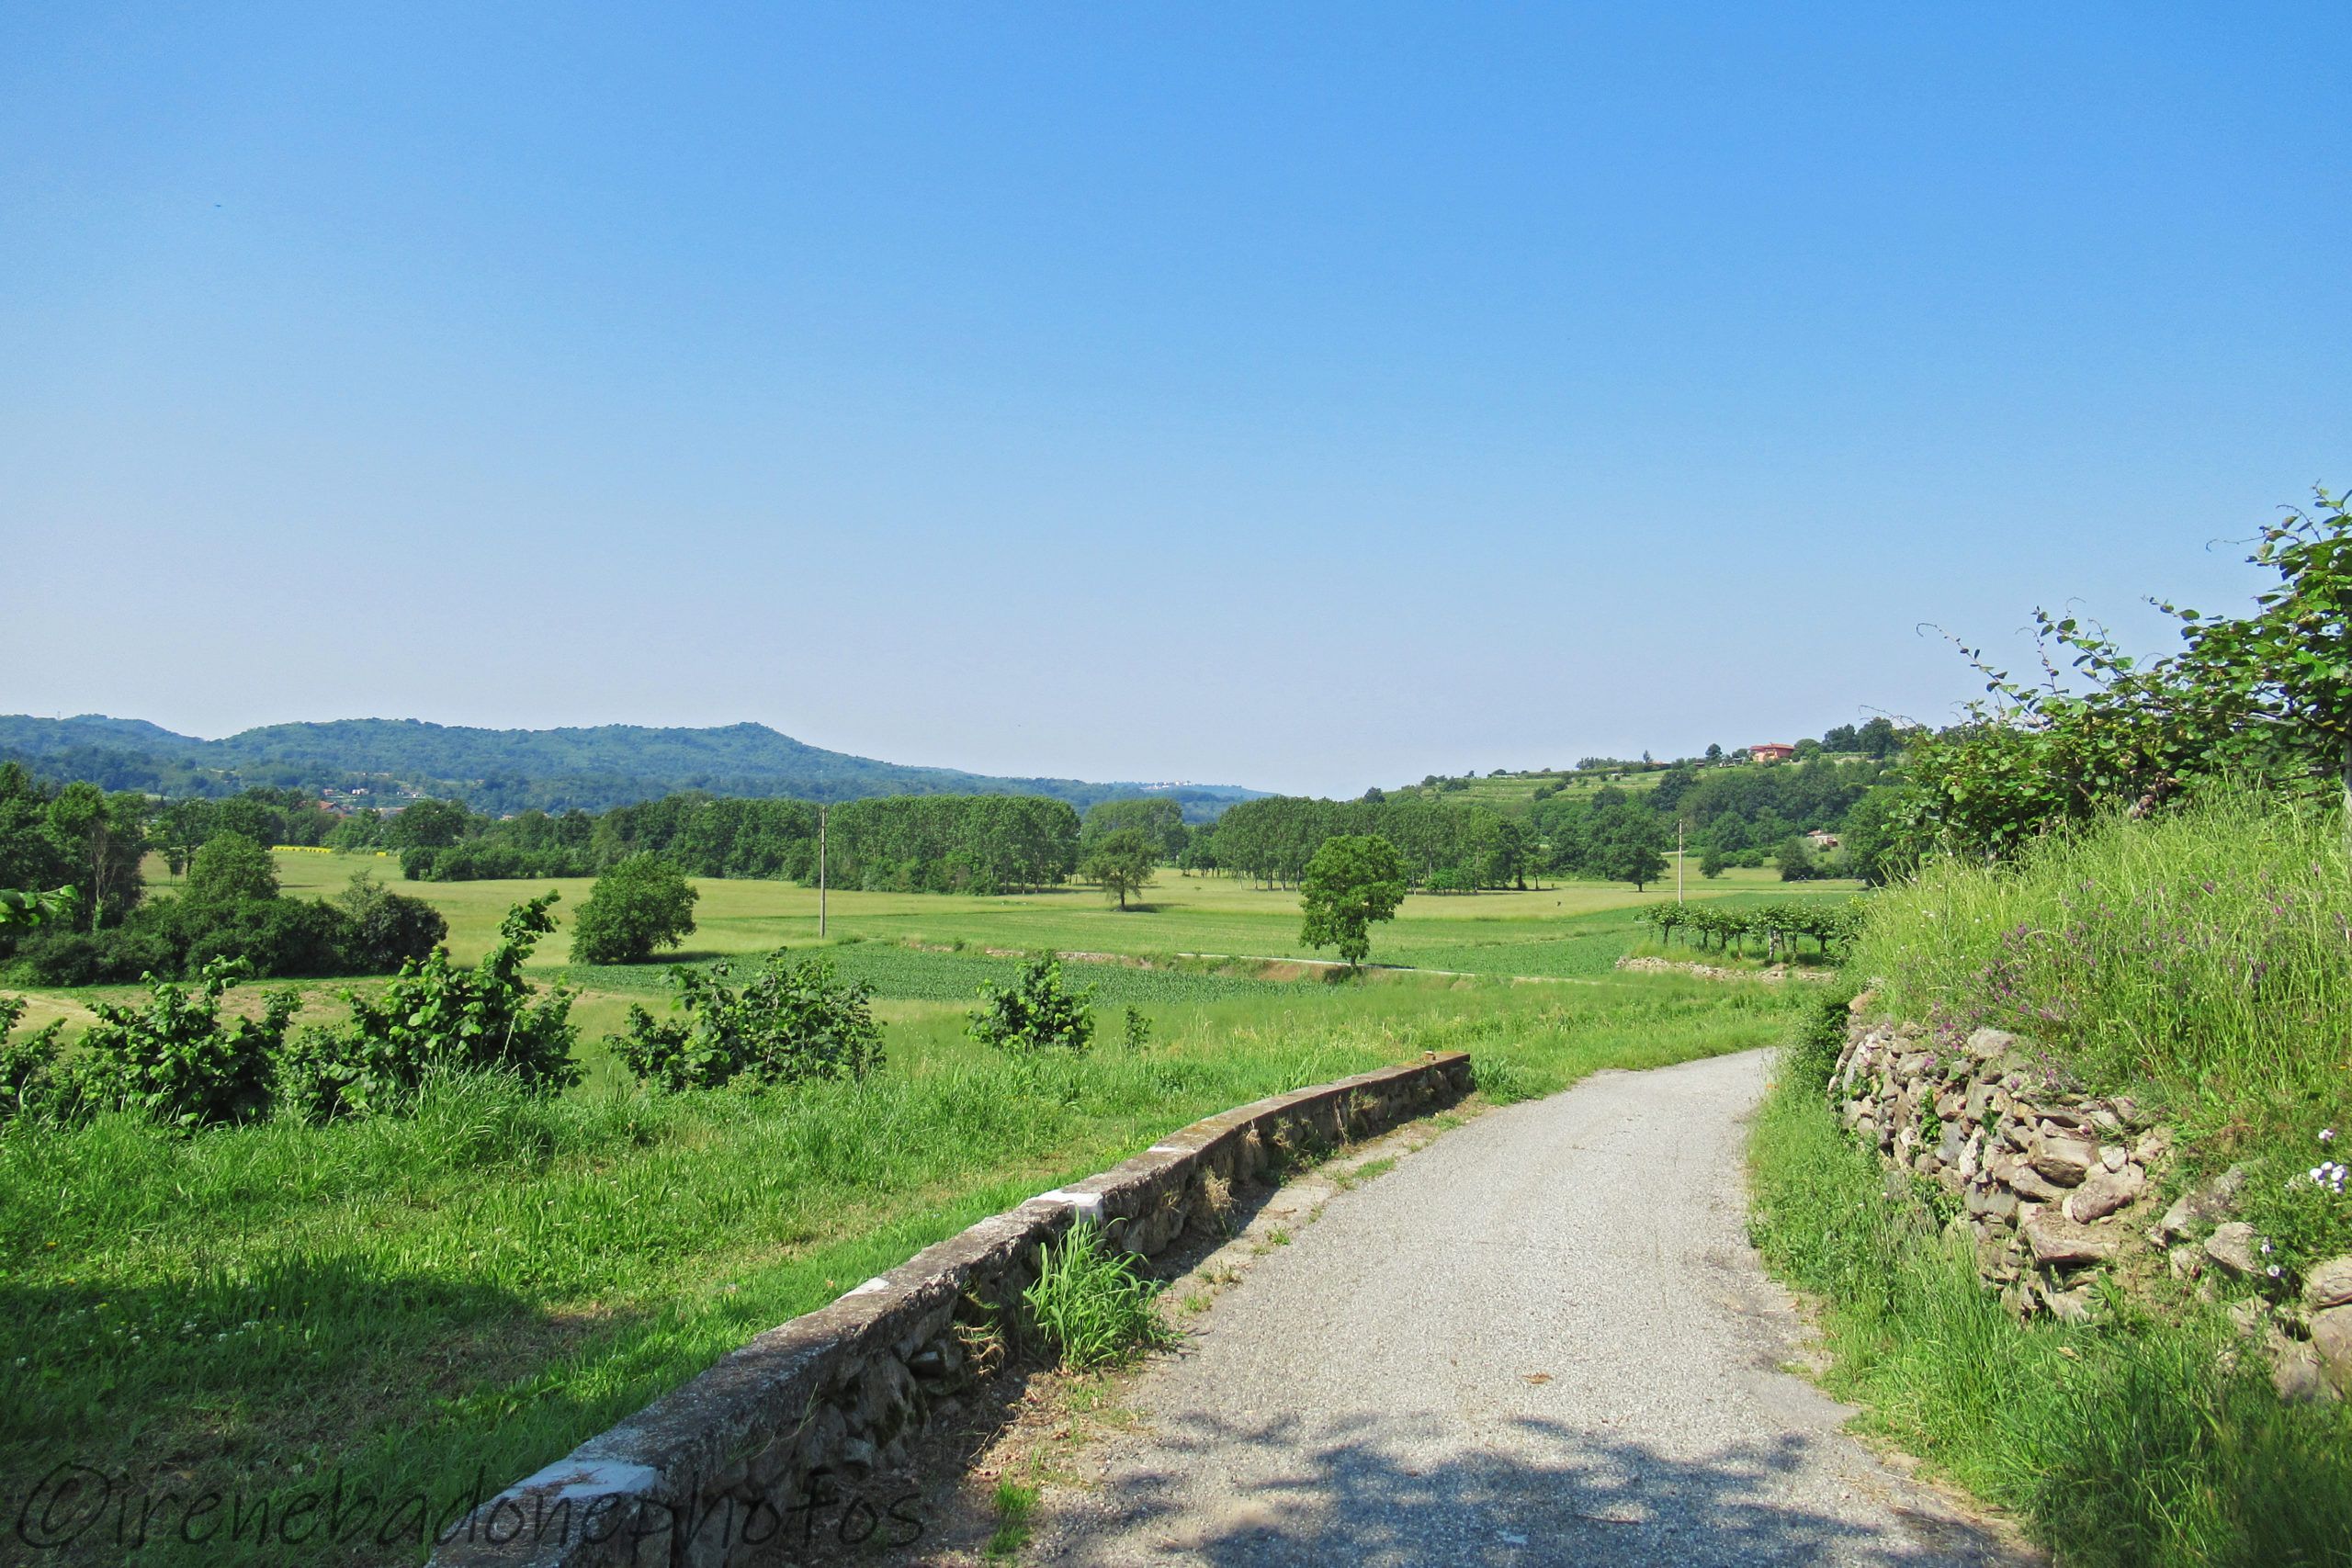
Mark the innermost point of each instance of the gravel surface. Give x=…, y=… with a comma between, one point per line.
x=1541, y=1339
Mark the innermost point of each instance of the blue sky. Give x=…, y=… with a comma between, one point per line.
x=1307, y=396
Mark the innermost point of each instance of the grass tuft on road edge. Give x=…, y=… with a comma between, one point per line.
x=1090, y=1305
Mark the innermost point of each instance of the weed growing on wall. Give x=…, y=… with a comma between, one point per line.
x=1089, y=1303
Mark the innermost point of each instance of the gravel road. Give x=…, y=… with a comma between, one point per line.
x=1541, y=1339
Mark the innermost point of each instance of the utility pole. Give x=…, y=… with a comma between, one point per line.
x=1679, y=852
x=820, y=873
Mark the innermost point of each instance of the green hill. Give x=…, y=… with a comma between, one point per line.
x=501, y=771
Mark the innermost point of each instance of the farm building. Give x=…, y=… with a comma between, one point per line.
x=1772, y=751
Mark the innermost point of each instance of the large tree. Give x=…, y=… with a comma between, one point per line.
x=229, y=869
x=1121, y=862
x=1354, y=880
x=1160, y=819
x=430, y=825
x=106, y=836
x=637, y=906
x=1627, y=844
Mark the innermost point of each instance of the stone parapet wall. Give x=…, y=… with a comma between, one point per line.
x=848, y=1388
x=2060, y=1189
x=2054, y=1183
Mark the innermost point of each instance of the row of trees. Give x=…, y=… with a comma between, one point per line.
x=1445, y=846
x=1613, y=835
x=975, y=843
x=231, y=908
x=940, y=844
x=1710, y=923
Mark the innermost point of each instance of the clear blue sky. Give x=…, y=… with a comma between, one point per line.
x=1307, y=396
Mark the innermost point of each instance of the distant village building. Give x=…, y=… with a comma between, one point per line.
x=1772, y=751
x=1821, y=840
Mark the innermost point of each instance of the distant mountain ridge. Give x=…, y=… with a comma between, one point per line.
x=513, y=770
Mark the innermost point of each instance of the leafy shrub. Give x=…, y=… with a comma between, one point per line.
x=1035, y=1013
x=57, y=955
x=640, y=903
x=387, y=929
x=369, y=930
x=435, y=1017
x=272, y=936
x=792, y=1023
x=1818, y=1036
x=30, y=1086
x=1089, y=1303
x=2096, y=730
x=176, y=1062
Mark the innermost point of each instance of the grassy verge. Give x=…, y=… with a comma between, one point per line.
x=2201, y=956
x=2137, y=1444
x=2200, y=961
x=409, y=1304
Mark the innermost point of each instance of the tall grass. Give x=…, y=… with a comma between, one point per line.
x=1090, y=1304
x=2136, y=1445
x=2205, y=956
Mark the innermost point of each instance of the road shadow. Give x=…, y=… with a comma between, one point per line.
x=1285, y=1494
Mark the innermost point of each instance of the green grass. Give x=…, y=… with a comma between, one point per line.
x=1016, y=1504
x=2131, y=1445
x=409, y=1302
x=904, y=973
x=1484, y=932
x=1090, y=1305
x=1570, y=930
x=2197, y=960
x=2199, y=956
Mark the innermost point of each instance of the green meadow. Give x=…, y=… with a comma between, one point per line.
x=1563, y=931
x=1539, y=932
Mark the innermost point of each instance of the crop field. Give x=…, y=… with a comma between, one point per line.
x=1513, y=794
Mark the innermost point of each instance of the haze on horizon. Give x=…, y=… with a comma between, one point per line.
x=1301, y=401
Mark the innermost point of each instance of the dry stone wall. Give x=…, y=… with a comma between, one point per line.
x=2060, y=1189
x=707, y=1475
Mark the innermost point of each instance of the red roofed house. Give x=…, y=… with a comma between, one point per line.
x=1772, y=751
